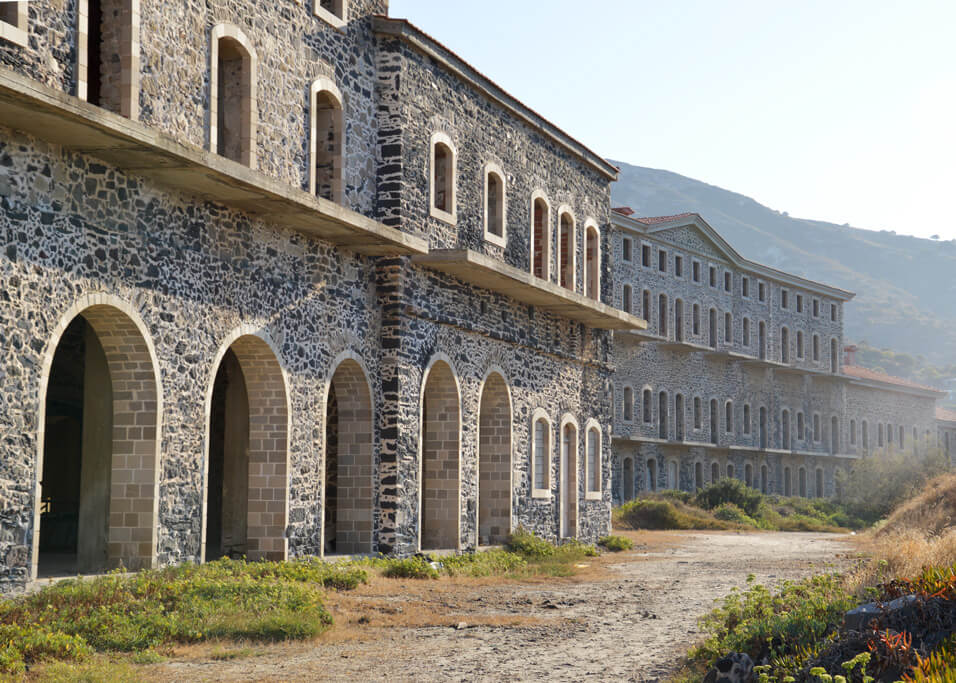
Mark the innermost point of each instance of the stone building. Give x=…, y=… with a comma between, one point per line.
x=285, y=279
x=741, y=371
x=946, y=431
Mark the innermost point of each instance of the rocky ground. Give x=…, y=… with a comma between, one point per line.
x=628, y=616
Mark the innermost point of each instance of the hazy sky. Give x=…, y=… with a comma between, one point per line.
x=840, y=110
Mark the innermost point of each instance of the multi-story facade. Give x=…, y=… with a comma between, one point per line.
x=741, y=371
x=286, y=279
x=946, y=431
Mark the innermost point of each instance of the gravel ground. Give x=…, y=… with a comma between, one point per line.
x=628, y=617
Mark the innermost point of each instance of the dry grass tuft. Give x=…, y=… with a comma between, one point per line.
x=932, y=511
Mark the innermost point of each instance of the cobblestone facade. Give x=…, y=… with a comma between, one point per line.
x=302, y=325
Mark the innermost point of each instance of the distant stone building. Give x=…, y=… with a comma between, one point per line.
x=741, y=371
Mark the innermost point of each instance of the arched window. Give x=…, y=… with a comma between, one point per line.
x=785, y=429
x=749, y=475
x=679, y=320
x=816, y=427
x=816, y=348
x=729, y=417
x=627, y=480
x=662, y=315
x=15, y=19
x=328, y=129
x=541, y=455
x=628, y=404
x=746, y=332
x=799, y=344
x=541, y=239
x=728, y=328
x=334, y=12
x=818, y=489
x=679, y=417
x=787, y=482
x=696, y=321
x=646, y=405
x=673, y=475
x=592, y=262
x=801, y=427
x=646, y=306
x=763, y=427
x=495, y=223
x=713, y=420
x=626, y=299
x=762, y=340
x=232, y=109
x=698, y=476
x=803, y=482
x=853, y=432
x=566, y=250
x=730, y=470
x=714, y=472
x=902, y=434
x=784, y=345
x=764, y=479
x=651, y=484
x=747, y=418
x=865, y=435
x=879, y=435
x=662, y=415
x=593, y=465
x=713, y=328
x=444, y=165
x=697, y=411
x=107, y=58
x=834, y=357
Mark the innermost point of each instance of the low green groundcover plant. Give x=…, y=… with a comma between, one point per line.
x=616, y=544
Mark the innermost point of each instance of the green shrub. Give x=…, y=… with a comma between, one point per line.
x=416, y=567
x=486, y=563
x=525, y=543
x=728, y=512
x=729, y=490
x=616, y=544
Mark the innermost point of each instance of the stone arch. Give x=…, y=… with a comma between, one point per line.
x=569, y=436
x=326, y=140
x=495, y=418
x=439, y=474
x=246, y=468
x=117, y=442
x=232, y=124
x=348, y=465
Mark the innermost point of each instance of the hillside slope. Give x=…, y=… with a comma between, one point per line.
x=905, y=286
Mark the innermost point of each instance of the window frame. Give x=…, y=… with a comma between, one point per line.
x=627, y=249
x=248, y=99
x=591, y=227
x=546, y=255
x=18, y=33
x=323, y=84
x=491, y=168
x=646, y=255
x=541, y=415
x=338, y=21
x=565, y=210
x=449, y=217
x=592, y=426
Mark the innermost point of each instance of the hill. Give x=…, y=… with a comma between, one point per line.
x=905, y=286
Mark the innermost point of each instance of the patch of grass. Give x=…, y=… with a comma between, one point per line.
x=224, y=655
x=728, y=512
x=650, y=512
x=616, y=544
x=225, y=599
x=525, y=543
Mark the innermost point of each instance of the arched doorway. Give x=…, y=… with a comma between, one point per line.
x=494, y=462
x=247, y=475
x=440, y=488
x=98, y=475
x=349, y=462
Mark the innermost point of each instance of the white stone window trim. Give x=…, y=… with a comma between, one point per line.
x=324, y=84
x=499, y=240
x=536, y=196
x=569, y=419
x=232, y=31
x=545, y=493
x=450, y=217
x=339, y=20
x=563, y=210
x=598, y=493
x=590, y=225
x=17, y=33
x=129, y=97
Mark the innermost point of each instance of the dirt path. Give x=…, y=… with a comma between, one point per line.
x=630, y=619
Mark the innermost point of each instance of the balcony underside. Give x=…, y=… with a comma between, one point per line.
x=78, y=126
x=488, y=273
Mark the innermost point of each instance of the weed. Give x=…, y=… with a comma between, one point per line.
x=616, y=544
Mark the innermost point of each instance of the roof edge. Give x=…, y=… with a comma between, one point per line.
x=637, y=224
x=407, y=31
